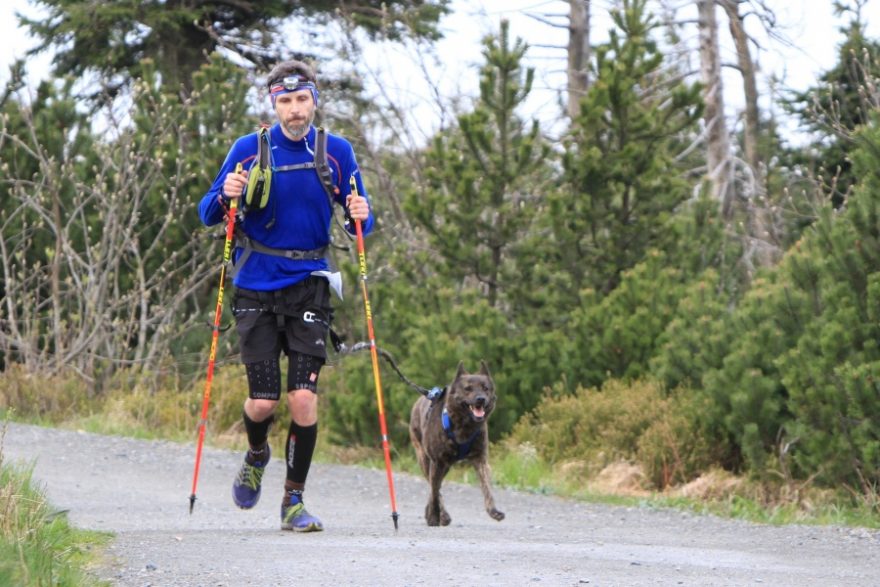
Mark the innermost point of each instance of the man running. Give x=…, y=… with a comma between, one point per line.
x=282, y=276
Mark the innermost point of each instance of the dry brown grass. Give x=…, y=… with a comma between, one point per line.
x=620, y=478
x=50, y=398
x=713, y=485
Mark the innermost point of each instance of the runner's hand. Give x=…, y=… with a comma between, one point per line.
x=358, y=208
x=235, y=184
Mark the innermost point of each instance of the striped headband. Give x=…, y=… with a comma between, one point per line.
x=292, y=83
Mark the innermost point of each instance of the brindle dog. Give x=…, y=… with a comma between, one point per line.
x=455, y=429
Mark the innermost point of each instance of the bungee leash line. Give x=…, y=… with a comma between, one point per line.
x=432, y=394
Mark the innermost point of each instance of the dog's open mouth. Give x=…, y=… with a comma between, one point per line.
x=478, y=413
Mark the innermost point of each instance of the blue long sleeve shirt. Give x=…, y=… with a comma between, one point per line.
x=298, y=204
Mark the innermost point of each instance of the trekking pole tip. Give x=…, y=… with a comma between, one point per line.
x=394, y=518
x=192, y=502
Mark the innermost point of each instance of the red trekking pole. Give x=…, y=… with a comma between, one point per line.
x=206, y=400
x=362, y=263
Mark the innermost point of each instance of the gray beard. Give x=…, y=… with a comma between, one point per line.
x=300, y=130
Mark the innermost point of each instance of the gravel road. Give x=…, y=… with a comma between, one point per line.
x=139, y=491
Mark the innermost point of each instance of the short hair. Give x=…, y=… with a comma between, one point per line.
x=286, y=68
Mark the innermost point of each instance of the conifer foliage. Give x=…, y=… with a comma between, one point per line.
x=113, y=38
x=621, y=182
x=478, y=201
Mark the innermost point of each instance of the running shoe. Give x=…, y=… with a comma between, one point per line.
x=246, y=487
x=295, y=517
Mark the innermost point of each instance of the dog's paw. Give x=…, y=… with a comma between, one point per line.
x=432, y=515
x=496, y=515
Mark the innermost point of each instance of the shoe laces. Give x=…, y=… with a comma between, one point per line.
x=293, y=510
x=250, y=476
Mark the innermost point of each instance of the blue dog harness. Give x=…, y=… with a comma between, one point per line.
x=463, y=448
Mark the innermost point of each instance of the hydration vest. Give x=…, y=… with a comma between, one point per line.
x=260, y=175
x=258, y=195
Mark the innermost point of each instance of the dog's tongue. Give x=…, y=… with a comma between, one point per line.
x=478, y=411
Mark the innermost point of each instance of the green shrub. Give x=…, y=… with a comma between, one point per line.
x=634, y=422
x=615, y=336
x=694, y=340
x=747, y=400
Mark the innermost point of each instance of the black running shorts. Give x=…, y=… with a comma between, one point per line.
x=293, y=319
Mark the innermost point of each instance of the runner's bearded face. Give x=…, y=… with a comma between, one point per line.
x=296, y=112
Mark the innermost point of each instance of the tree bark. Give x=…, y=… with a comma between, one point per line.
x=578, y=54
x=750, y=86
x=717, y=138
x=761, y=247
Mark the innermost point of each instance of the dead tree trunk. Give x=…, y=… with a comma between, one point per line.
x=578, y=54
x=717, y=138
x=750, y=85
x=762, y=244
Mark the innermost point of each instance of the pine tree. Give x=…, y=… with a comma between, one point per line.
x=621, y=183
x=794, y=391
x=656, y=322
x=831, y=374
x=478, y=199
x=450, y=297
x=837, y=106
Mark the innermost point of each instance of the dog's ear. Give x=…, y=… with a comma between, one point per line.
x=461, y=370
x=484, y=369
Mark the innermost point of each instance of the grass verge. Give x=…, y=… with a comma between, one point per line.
x=37, y=544
x=519, y=467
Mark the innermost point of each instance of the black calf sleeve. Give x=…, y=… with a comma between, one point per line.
x=257, y=432
x=300, y=448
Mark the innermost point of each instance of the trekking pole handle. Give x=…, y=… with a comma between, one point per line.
x=233, y=203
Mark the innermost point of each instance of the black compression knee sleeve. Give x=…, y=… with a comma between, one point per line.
x=300, y=448
x=257, y=432
x=264, y=379
x=303, y=371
